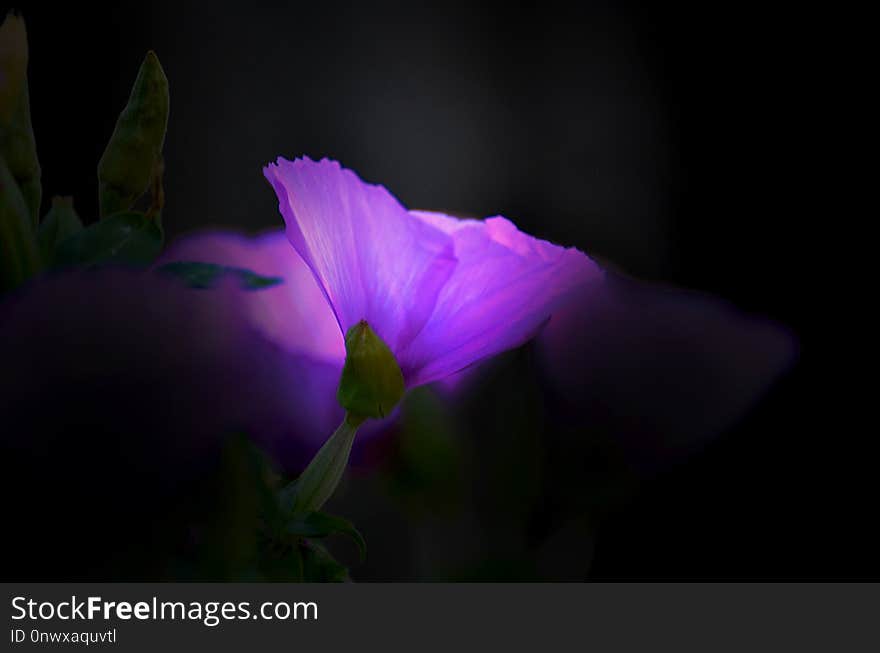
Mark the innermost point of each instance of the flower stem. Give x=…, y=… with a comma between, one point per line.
x=319, y=480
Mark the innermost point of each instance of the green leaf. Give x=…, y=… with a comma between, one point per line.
x=207, y=275
x=233, y=514
x=130, y=161
x=319, y=566
x=231, y=539
x=253, y=281
x=60, y=223
x=129, y=238
x=319, y=524
x=19, y=254
x=426, y=472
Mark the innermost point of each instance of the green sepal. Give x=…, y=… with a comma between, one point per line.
x=372, y=383
x=208, y=275
x=318, y=482
x=319, y=524
x=127, y=238
x=59, y=224
x=133, y=154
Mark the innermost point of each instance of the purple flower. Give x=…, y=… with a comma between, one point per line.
x=442, y=293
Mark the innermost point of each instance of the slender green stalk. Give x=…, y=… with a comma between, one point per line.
x=319, y=480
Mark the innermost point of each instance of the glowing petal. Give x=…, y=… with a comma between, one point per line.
x=504, y=288
x=372, y=260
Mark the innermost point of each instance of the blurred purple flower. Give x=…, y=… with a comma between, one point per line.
x=159, y=362
x=660, y=370
x=296, y=413
x=293, y=314
x=117, y=391
x=443, y=293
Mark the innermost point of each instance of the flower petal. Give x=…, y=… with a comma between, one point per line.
x=294, y=314
x=504, y=288
x=372, y=260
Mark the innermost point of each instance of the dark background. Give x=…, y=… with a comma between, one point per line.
x=671, y=141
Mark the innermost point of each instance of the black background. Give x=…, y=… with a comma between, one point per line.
x=672, y=141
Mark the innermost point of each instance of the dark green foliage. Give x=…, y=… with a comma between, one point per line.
x=125, y=238
x=319, y=524
x=60, y=223
x=207, y=275
x=19, y=255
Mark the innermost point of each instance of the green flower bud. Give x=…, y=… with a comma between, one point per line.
x=133, y=153
x=371, y=383
x=371, y=386
x=17, y=144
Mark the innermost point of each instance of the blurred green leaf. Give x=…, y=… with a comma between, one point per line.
x=233, y=537
x=133, y=154
x=506, y=414
x=426, y=472
x=19, y=254
x=231, y=521
x=129, y=238
x=17, y=144
x=319, y=566
x=283, y=565
x=207, y=275
x=319, y=524
x=60, y=223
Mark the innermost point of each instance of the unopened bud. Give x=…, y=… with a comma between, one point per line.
x=129, y=162
x=371, y=383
